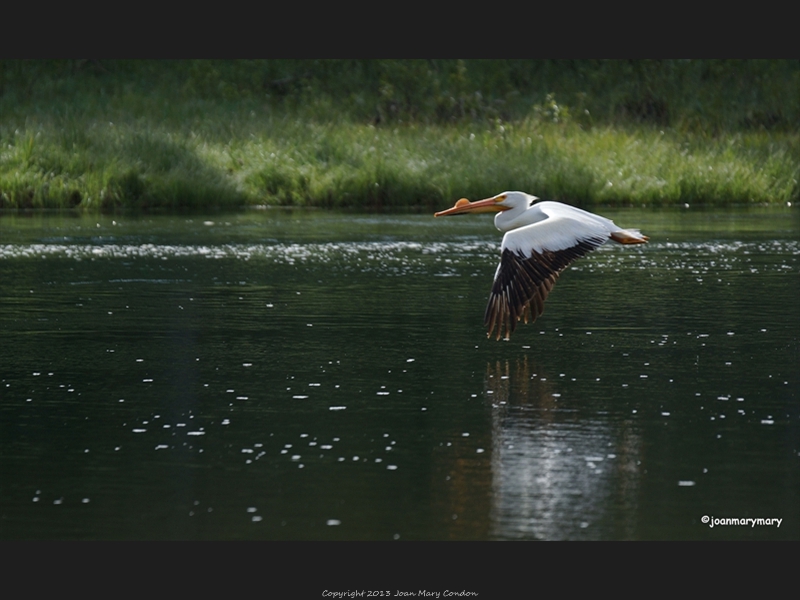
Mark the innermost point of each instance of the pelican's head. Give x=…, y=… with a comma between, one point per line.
x=505, y=201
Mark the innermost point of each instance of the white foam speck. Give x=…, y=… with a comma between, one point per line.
x=337, y=407
x=333, y=522
x=685, y=483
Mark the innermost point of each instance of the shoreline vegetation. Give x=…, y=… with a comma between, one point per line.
x=111, y=135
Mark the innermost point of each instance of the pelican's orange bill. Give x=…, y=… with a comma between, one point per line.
x=465, y=206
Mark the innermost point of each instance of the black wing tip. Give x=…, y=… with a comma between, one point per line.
x=523, y=283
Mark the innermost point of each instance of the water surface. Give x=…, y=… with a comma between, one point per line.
x=316, y=375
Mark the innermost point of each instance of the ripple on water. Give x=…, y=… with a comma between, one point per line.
x=387, y=256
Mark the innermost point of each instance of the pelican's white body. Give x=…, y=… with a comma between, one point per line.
x=549, y=226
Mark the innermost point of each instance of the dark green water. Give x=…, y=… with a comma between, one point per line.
x=312, y=375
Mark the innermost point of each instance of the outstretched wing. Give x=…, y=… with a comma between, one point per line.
x=532, y=259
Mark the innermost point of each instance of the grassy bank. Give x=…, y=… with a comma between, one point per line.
x=395, y=134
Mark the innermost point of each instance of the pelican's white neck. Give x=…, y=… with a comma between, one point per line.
x=522, y=212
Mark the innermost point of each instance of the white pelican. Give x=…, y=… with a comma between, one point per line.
x=541, y=239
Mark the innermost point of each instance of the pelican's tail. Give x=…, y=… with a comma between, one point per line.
x=629, y=236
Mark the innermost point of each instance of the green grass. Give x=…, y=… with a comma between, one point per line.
x=140, y=136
